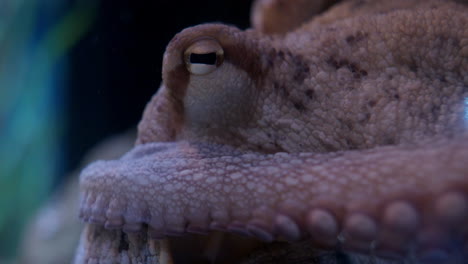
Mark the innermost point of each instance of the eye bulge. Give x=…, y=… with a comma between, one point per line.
x=203, y=56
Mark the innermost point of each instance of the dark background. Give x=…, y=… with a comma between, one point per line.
x=116, y=67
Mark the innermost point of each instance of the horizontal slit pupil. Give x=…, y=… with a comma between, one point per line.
x=208, y=58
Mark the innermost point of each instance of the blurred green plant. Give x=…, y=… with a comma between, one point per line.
x=33, y=49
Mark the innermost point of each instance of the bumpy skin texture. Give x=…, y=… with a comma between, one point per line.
x=349, y=130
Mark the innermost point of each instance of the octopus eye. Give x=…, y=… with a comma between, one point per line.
x=203, y=57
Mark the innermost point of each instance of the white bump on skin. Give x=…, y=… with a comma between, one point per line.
x=199, y=176
x=295, y=162
x=185, y=173
x=191, y=189
x=307, y=178
x=168, y=187
x=291, y=181
x=236, y=175
x=282, y=155
x=230, y=168
x=272, y=170
x=251, y=186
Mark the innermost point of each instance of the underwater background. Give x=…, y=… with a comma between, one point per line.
x=71, y=74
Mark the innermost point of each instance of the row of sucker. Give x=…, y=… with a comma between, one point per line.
x=430, y=231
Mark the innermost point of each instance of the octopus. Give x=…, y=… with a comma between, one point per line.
x=329, y=132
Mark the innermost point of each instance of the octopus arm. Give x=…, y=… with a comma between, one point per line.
x=386, y=194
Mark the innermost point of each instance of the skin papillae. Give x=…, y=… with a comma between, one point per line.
x=347, y=133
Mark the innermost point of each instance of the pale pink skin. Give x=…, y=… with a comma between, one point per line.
x=345, y=131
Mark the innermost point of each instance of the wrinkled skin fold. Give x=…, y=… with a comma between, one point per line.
x=242, y=198
x=345, y=134
x=199, y=183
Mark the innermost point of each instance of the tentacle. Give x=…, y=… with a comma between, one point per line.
x=420, y=194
